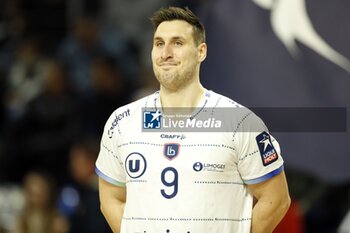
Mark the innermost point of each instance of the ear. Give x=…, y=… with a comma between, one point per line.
x=202, y=52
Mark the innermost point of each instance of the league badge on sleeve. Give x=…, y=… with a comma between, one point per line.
x=267, y=150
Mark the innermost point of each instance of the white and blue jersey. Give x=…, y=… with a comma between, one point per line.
x=187, y=182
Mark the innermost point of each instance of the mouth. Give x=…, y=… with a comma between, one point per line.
x=168, y=65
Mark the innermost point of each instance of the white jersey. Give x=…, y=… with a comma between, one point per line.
x=187, y=182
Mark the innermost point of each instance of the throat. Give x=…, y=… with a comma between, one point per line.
x=185, y=98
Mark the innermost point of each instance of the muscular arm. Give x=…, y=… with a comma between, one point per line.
x=112, y=200
x=272, y=203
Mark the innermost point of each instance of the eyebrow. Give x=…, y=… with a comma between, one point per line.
x=172, y=38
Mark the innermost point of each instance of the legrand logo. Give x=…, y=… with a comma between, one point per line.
x=117, y=119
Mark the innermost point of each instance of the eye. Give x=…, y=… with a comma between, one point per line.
x=178, y=43
x=159, y=43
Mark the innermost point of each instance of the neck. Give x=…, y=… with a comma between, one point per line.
x=187, y=97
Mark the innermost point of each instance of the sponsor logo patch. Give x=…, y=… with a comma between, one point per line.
x=208, y=167
x=171, y=150
x=267, y=150
x=117, y=119
x=198, y=166
x=135, y=165
x=173, y=136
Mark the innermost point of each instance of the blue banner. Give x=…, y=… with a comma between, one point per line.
x=282, y=53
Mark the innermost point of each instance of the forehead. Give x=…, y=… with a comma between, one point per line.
x=174, y=28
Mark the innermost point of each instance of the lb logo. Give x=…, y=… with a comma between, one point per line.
x=171, y=150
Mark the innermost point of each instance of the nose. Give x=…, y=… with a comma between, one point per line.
x=167, y=52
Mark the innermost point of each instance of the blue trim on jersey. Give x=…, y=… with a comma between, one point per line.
x=265, y=177
x=108, y=179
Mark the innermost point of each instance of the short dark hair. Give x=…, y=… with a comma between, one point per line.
x=177, y=13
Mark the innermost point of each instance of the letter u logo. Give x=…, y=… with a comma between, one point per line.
x=134, y=165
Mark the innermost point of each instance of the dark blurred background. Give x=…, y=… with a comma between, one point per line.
x=66, y=65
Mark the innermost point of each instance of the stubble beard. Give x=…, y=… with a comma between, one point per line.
x=174, y=80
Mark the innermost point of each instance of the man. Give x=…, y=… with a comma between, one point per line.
x=188, y=182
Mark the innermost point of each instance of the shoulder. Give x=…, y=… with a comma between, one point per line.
x=128, y=113
x=219, y=100
x=136, y=105
x=244, y=118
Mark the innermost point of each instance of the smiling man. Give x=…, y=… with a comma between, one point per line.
x=176, y=56
x=231, y=181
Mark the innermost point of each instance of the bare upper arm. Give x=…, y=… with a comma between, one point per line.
x=109, y=191
x=112, y=199
x=275, y=187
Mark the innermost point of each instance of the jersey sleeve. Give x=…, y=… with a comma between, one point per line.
x=258, y=152
x=108, y=164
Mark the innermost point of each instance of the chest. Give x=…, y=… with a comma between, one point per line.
x=188, y=153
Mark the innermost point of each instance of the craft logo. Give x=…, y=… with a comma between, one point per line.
x=135, y=165
x=173, y=136
x=171, y=150
x=266, y=148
